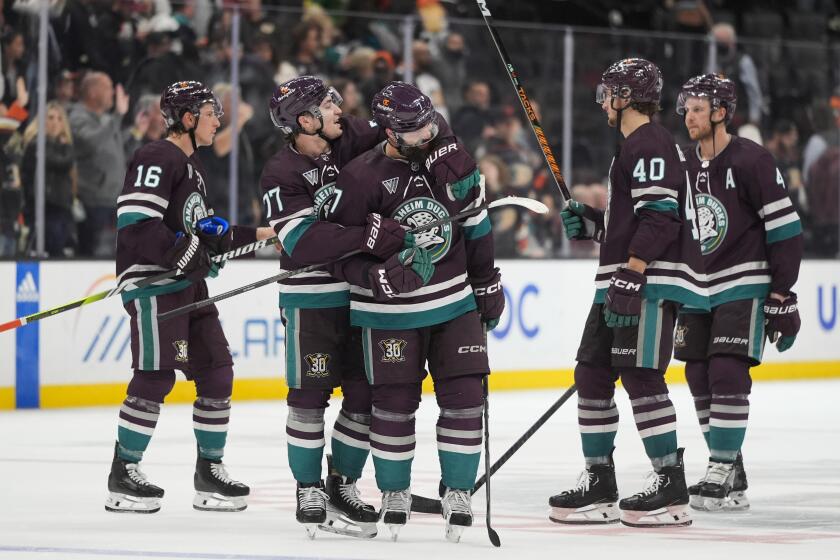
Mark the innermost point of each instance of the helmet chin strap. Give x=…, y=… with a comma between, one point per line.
x=617, y=127
x=714, y=124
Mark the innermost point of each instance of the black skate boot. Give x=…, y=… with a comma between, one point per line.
x=591, y=502
x=396, y=510
x=662, y=503
x=130, y=492
x=737, y=499
x=311, y=506
x=347, y=514
x=457, y=512
x=694, y=499
x=215, y=490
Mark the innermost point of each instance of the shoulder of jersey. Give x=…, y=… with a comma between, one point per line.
x=748, y=147
x=162, y=152
x=288, y=165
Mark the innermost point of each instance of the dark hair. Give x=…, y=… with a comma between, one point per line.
x=648, y=108
x=783, y=126
x=300, y=32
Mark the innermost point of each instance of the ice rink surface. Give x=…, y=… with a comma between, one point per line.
x=54, y=465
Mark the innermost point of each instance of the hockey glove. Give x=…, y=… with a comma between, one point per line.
x=623, y=303
x=581, y=222
x=451, y=165
x=383, y=237
x=190, y=257
x=781, y=320
x=215, y=233
x=490, y=299
x=404, y=272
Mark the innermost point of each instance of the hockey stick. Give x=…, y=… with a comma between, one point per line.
x=491, y=533
x=218, y=259
x=526, y=103
x=422, y=504
x=530, y=204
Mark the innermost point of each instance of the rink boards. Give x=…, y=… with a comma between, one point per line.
x=82, y=357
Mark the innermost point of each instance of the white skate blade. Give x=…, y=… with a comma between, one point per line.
x=340, y=524
x=123, y=503
x=311, y=530
x=736, y=501
x=213, y=501
x=394, y=528
x=454, y=532
x=594, y=514
x=670, y=516
x=696, y=502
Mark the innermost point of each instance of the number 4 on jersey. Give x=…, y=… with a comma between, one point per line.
x=656, y=171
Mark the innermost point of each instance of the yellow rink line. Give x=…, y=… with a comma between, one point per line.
x=60, y=396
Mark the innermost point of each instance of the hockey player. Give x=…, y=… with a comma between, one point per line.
x=751, y=239
x=164, y=222
x=416, y=312
x=322, y=350
x=650, y=264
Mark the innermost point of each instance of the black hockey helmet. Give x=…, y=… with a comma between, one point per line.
x=635, y=79
x=717, y=88
x=183, y=97
x=297, y=96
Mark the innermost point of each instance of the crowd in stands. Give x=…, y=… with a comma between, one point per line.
x=110, y=59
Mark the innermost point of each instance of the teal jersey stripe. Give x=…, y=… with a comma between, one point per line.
x=415, y=320
x=340, y=298
x=151, y=291
x=463, y=186
x=650, y=357
x=659, y=206
x=145, y=323
x=784, y=232
x=130, y=218
x=670, y=293
x=480, y=229
x=747, y=291
x=291, y=350
x=757, y=349
x=458, y=470
x=297, y=232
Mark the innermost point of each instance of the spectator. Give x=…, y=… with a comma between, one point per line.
x=100, y=159
x=14, y=50
x=505, y=220
x=59, y=180
x=304, y=58
x=450, y=66
x=148, y=125
x=426, y=81
x=64, y=91
x=474, y=121
x=784, y=145
x=822, y=188
x=384, y=72
x=217, y=162
x=11, y=199
x=353, y=103
x=826, y=122
x=740, y=67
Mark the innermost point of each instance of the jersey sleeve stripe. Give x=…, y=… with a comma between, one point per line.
x=291, y=233
x=660, y=205
x=774, y=207
x=145, y=210
x=130, y=218
x=786, y=231
x=737, y=269
x=154, y=199
x=638, y=193
x=479, y=230
x=299, y=214
x=779, y=222
x=425, y=290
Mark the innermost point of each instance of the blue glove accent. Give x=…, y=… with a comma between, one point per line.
x=212, y=225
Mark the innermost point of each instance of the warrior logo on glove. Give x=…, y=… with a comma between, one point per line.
x=418, y=212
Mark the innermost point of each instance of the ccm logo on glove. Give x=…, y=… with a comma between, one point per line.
x=374, y=225
x=440, y=152
x=625, y=284
x=384, y=285
x=489, y=290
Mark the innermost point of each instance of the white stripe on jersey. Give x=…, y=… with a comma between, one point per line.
x=140, y=268
x=743, y=267
x=779, y=222
x=316, y=274
x=313, y=288
x=636, y=193
x=643, y=203
x=418, y=292
x=718, y=288
x=139, y=210
x=774, y=207
x=288, y=228
x=475, y=220
x=153, y=198
x=300, y=214
x=411, y=307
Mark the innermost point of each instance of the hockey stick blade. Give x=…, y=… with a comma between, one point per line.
x=534, y=206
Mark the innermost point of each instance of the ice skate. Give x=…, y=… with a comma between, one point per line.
x=737, y=499
x=663, y=502
x=130, y=491
x=457, y=512
x=311, y=507
x=347, y=514
x=591, y=502
x=215, y=490
x=396, y=510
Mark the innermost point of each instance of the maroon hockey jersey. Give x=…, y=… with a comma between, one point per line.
x=750, y=234
x=650, y=214
x=297, y=191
